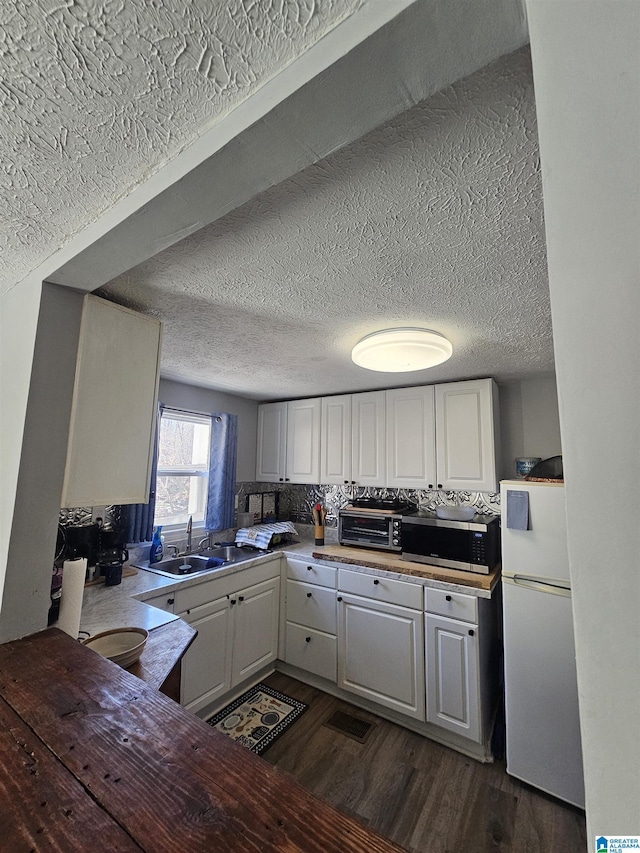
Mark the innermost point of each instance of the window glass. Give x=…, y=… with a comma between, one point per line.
x=183, y=468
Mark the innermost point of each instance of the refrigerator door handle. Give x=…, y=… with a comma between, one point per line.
x=555, y=587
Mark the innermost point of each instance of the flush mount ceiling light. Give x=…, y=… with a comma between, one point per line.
x=401, y=350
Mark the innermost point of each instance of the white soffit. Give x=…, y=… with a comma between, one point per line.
x=95, y=98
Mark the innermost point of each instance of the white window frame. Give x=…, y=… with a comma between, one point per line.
x=175, y=532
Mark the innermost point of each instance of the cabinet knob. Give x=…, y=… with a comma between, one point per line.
x=309, y=568
x=281, y=479
x=339, y=598
x=439, y=485
x=471, y=632
x=188, y=612
x=241, y=598
x=353, y=482
x=308, y=595
x=307, y=639
x=448, y=597
x=286, y=479
x=430, y=485
x=171, y=600
x=376, y=582
x=232, y=602
x=346, y=482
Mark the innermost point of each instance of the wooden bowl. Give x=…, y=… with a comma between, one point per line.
x=121, y=645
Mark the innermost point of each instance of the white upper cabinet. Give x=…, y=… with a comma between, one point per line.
x=466, y=421
x=303, y=441
x=289, y=442
x=411, y=438
x=113, y=414
x=335, y=437
x=272, y=442
x=369, y=457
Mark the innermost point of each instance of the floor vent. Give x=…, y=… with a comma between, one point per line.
x=350, y=726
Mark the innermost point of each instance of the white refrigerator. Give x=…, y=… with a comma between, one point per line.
x=541, y=695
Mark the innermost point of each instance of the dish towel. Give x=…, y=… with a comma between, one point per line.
x=222, y=472
x=260, y=535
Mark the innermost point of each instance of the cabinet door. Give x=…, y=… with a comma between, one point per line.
x=116, y=385
x=452, y=676
x=206, y=666
x=272, y=441
x=303, y=441
x=335, y=450
x=411, y=437
x=466, y=435
x=368, y=462
x=255, y=628
x=381, y=654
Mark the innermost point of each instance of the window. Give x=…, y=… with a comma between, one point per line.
x=182, y=480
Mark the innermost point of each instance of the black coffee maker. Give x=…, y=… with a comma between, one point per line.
x=111, y=555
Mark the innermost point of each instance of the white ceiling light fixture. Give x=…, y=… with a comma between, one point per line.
x=401, y=350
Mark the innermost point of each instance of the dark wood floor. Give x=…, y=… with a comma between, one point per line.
x=423, y=796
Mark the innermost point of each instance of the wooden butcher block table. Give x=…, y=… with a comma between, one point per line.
x=92, y=758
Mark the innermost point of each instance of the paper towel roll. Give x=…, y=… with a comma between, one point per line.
x=73, y=576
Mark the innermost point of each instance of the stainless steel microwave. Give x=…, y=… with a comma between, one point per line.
x=472, y=546
x=368, y=528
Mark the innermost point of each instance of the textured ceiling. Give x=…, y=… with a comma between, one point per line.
x=434, y=219
x=94, y=96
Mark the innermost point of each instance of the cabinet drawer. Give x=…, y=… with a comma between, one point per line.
x=456, y=605
x=311, y=605
x=306, y=570
x=381, y=588
x=312, y=651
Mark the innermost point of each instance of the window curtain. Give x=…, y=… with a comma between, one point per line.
x=136, y=520
x=222, y=472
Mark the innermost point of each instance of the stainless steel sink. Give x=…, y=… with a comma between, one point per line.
x=205, y=561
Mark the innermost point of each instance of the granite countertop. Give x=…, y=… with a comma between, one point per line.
x=124, y=605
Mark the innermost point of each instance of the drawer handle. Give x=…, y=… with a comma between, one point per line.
x=448, y=597
x=307, y=639
x=308, y=595
x=471, y=632
x=339, y=598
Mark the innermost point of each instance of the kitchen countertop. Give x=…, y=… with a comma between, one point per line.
x=124, y=605
x=384, y=563
x=94, y=759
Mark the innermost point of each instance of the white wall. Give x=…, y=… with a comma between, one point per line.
x=18, y=321
x=194, y=399
x=45, y=384
x=529, y=421
x=586, y=68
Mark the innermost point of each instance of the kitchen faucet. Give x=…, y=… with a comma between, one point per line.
x=189, y=529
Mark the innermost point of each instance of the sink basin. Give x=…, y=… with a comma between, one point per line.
x=205, y=561
x=231, y=553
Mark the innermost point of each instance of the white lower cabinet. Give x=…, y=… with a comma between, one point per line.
x=255, y=629
x=381, y=653
x=206, y=667
x=462, y=661
x=452, y=676
x=310, y=613
x=237, y=633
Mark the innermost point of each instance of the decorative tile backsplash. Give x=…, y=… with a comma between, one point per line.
x=297, y=502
